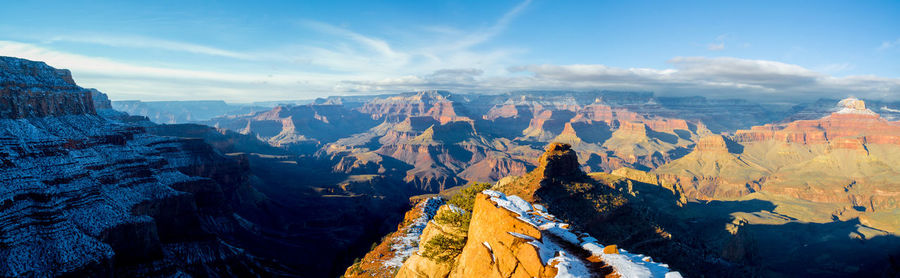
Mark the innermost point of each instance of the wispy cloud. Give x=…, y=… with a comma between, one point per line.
x=889, y=45
x=481, y=36
x=301, y=70
x=348, y=61
x=127, y=80
x=378, y=45
x=437, y=48
x=836, y=67
x=148, y=43
x=726, y=40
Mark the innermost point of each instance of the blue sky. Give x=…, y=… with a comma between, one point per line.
x=275, y=50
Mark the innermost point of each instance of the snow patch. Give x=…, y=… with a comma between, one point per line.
x=852, y=105
x=630, y=265
x=569, y=267
x=625, y=264
x=407, y=244
x=491, y=250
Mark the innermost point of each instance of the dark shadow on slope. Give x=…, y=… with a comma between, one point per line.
x=595, y=133
x=508, y=127
x=453, y=132
x=310, y=218
x=684, y=134
x=733, y=147
x=557, y=121
x=662, y=136
x=678, y=152
x=704, y=239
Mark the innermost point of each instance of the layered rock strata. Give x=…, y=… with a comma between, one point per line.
x=88, y=196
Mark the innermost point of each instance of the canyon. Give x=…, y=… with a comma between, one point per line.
x=594, y=183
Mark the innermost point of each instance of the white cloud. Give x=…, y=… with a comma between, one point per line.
x=722, y=76
x=378, y=45
x=720, y=41
x=889, y=45
x=148, y=43
x=715, y=77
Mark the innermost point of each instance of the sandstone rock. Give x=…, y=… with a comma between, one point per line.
x=492, y=250
x=611, y=249
x=853, y=120
x=559, y=161
x=712, y=143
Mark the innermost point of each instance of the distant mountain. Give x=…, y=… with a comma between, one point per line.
x=845, y=157
x=435, y=140
x=889, y=110
x=839, y=171
x=176, y=112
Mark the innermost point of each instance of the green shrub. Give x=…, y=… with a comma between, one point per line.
x=443, y=249
x=465, y=199
x=458, y=219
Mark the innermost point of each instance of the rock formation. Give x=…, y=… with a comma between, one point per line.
x=559, y=161
x=32, y=89
x=852, y=121
x=834, y=170
x=509, y=237
x=850, y=146
x=506, y=236
x=89, y=196
x=301, y=128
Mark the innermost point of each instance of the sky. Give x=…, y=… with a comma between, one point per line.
x=240, y=51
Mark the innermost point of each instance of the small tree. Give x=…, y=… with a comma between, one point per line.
x=455, y=218
x=465, y=199
x=444, y=249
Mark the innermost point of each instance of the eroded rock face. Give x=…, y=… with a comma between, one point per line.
x=33, y=89
x=852, y=121
x=434, y=104
x=712, y=143
x=90, y=196
x=494, y=249
x=299, y=128
x=559, y=161
x=433, y=140
x=101, y=101
x=510, y=237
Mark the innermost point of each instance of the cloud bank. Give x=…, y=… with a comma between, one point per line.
x=721, y=77
x=348, y=62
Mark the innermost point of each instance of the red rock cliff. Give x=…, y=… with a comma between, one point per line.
x=34, y=89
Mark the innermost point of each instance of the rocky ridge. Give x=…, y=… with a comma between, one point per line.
x=507, y=236
x=33, y=89
x=85, y=195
